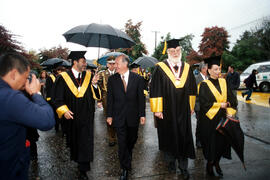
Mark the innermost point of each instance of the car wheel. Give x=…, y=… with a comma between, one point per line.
x=265, y=87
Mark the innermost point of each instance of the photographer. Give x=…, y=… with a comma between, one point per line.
x=17, y=113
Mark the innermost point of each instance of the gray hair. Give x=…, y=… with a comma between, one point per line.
x=202, y=65
x=125, y=58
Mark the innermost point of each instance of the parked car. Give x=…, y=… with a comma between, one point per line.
x=263, y=76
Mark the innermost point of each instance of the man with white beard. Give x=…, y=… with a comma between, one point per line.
x=172, y=99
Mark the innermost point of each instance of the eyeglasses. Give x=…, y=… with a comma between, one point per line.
x=176, y=50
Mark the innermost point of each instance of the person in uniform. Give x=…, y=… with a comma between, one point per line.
x=172, y=99
x=75, y=93
x=216, y=102
x=104, y=76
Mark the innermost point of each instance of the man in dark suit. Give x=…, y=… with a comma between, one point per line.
x=17, y=113
x=125, y=110
x=199, y=78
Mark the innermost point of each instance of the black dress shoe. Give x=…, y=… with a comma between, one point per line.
x=185, y=173
x=124, y=175
x=209, y=169
x=82, y=175
x=218, y=169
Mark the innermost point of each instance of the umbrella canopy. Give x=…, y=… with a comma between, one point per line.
x=65, y=63
x=146, y=61
x=231, y=129
x=90, y=64
x=103, y=59
x=99, y=35
x=51, y=62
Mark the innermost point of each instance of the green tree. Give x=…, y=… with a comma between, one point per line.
x=134, y=31
x=159, y=49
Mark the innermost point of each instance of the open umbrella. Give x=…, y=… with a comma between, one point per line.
x=146, y=61
x=65, y=63
x=51, y=62
x=99, y=35
x=231, y=129
x=103, y=59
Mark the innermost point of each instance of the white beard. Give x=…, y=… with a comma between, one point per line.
x=174, y=60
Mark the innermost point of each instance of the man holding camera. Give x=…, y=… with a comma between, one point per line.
x=17, y=113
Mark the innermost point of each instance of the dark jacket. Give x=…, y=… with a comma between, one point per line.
x=250, y=81
x=125, y=107
x=233, y=79
x=18, y=112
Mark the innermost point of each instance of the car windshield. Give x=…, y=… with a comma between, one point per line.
x=248, y=71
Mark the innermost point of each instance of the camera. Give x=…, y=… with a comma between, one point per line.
x=30, y=75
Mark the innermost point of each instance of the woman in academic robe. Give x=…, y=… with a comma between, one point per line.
x=216, y=102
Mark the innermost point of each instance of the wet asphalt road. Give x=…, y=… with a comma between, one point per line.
x=53, y=157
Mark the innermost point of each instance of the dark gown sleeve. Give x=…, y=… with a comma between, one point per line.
x=204, y=95
x=156, y=95
x=141, y=97
x=192, y=90
x=48, y=85
x=59, y=96
x=231, y=98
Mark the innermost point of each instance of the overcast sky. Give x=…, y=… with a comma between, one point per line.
x=40, y=24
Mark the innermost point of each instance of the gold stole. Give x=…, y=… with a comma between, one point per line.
x=220, y=98
x=78, y=94
x=157, y=103
x=53, y=77
x=73, y=88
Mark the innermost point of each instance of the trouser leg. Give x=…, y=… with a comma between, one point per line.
x=250, y=90
x=183, y=163
x=84, y=166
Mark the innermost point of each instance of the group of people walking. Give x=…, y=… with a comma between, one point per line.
x=174, y=92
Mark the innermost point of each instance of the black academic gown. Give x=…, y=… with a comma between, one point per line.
x=174, y=130
x=214, y=144
x=80, y=130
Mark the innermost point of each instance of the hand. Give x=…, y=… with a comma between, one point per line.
x=109, y=120
x=159, y=115
x=142, y=120
x=68, y=115
x=33, y=87
x=191, y=112
x=95, y=79
x=223, y=105
x=99, y=105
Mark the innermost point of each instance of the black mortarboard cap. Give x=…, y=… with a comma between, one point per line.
x=134, y=66
x=213, y=60
x=75, y=55
x=173, y=43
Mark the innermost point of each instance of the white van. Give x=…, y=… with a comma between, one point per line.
x=263, y=76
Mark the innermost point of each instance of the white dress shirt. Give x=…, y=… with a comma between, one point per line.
x=75, y=73
x=126, y=75
x=203, y=76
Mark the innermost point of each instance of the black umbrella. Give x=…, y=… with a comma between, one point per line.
x=51, y=62
x=146, y=61
x=65, y=63
x=231, y=129
x=99, y=35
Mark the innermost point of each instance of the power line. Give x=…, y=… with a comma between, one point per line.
x=248, y=23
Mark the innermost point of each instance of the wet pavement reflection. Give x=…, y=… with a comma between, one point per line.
x=53, y=157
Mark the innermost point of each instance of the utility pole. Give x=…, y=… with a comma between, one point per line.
x=155, y=38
